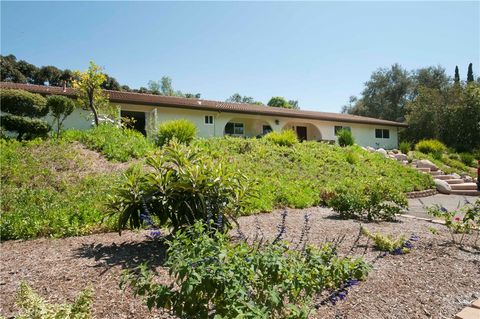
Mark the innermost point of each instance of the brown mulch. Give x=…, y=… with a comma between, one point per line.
x=435, y=280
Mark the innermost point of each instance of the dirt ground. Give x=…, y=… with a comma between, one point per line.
x=435, y=280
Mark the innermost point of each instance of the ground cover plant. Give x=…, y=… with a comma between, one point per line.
x=447, y=162
x=35, y=307
x=309, y=173
x=116, y=144
x=285, y=138
x=220, y=278
x=49, y=189
x=390, y=244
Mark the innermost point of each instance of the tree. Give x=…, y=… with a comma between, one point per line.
x=278, y=101
x=48, y=74
x=237, y=98
x=89, y=90
x=110, y=83
x=294, y=104
x=385, y=95
x=430, y=77
x=21, y=112
x=9, y=71
x=154, y=87
x=28, y=70
x=470, y=73
x=166, y=86
x=67, y=78
x=457, y=75
x=60, y=107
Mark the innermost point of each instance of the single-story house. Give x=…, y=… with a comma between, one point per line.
x=215, y=118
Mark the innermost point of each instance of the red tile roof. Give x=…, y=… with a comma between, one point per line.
x=198, y=104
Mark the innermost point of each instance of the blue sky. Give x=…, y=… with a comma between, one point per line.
x=318, y=53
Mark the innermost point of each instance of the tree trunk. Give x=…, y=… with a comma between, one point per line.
x=92, y=106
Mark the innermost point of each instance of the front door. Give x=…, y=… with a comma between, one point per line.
x=301, y=133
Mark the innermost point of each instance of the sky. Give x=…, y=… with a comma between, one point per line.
x=318, y=53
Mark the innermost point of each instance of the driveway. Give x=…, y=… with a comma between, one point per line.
x=418, y=206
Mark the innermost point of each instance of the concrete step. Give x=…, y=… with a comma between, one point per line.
x=443, y=177
x=464, y=186
x=436, y=173
x=455, y=181
x=423, y=169
x=468, y=313
x=467, y=192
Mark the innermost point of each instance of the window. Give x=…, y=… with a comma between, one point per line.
x=208, y=119
x=234, y=128
x=339, y=128
x=382, y=133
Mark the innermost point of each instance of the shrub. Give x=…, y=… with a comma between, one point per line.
x=183, y=131
x=345, y=138
x=284, y=138
x=60, y=107
x=467, y=159
x=352, y=157
x=35, y=307
x=433, y=147
x=390, y=244
x=181, y=187
x=372, y=203
x=457, y=224
x=223, y=279
x=405, y=147
x=114, y=143
x=22, y=111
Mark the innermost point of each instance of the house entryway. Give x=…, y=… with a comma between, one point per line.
x=134, y=120
x=301, y=133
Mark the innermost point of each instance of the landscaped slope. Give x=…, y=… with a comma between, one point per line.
x=300, y=175
x=52, y=188
x=59, y=188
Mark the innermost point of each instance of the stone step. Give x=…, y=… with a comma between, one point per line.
x=464, y=186
x=476, y=304
x=444, y=177
x=468, y=313
x=423, y=169
x=436, y=173
x=467, y=192
x=455, y=181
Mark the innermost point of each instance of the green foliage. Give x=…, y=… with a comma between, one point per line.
x=299, y=176
x=180, y=187
x=467, y=159
x=35, y=307
x=22, y=110
x=387, y=243
x=433, y=147
x=60, y=107
x=446, y=163
x=88, y=86
x=405, y=147
x=184, y=131
x=284, y=138
x=215, y=277
x=373, y=203
x=114, y=143
x=457, y=224
x=352, y=157
x=278, y=101
x=48, y=190
x=345, y=138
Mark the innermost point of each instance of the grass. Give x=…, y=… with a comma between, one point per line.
x=49, y=190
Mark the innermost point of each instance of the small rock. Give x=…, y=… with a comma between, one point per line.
x=401, y=157
x=455, y=175
x=442, y=186
x=382, y=151
x=370, y=149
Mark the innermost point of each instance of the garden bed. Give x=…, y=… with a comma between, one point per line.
x=433, y=280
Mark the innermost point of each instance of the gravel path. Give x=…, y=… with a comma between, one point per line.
x=433, y=281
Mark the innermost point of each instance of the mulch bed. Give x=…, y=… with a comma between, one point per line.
x=435, y=280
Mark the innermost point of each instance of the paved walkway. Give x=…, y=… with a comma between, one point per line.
x=418, y=206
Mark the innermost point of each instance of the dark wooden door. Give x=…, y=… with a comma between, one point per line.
x=301, y=133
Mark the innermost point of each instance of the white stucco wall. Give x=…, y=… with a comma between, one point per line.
x=364, y=134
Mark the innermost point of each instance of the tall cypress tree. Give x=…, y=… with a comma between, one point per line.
x=470, y=73
x=457, y=75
